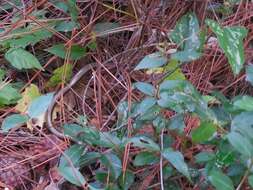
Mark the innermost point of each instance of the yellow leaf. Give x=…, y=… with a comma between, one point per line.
x=30, y=93
x=177, y=74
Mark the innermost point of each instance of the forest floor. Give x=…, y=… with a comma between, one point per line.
x=48, y=42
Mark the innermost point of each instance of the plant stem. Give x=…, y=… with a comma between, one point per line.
x=161, y=162
x=245, y=175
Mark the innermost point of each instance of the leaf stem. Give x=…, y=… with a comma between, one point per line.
x=161, y=161
x=245, y=175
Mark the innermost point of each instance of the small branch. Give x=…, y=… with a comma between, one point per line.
x=245, y=176
x=161, y=162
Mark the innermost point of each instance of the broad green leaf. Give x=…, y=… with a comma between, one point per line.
x=60, y=50
x=8, y=94
x=31, y=92
x=72, y=9
x=72, y=175
x=244, y=103
x=144, y=142
x=60, y=5
x=186, y=32
x=40, y=105
x=204, y=157
x=127, y=181
x=240, y=143
x=145, y=88
x=249, y=74
x=145, y=105
x=220, y=181
x=250, y=180
x=113, y=164
x=66, y=26
x=108, y=140
x=102, y=27
x=74, y=154
x=83, y=134
x=177, y=160
x=13, y=121
x=204, y=132
x=177, y=123
x=89, y=158
x=243, y=123
x=145, y=158
x=225, y=158
x=22, y=59
x=150, y=114
x=182, y=97
x=152, y=61
x=173, y=66
x=61, y=75
x=101, y=175
x=186, y=55
x=73, y=130
x=27, y=39
x=159, y=123
x=231, y=41
x=167, y=171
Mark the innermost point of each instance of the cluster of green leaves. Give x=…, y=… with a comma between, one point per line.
x=225, y=125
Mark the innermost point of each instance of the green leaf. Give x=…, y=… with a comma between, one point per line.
x=231, y=41
x=177, y=123
x=249, y=74
x=73, y=130
x=145, y=158
x=108, y=140
x=243, y=123
x=40, y=105
x=61, y=75
x=153, y=60
x=127, y=181
x=22, y=59
x=145, y=105
x=72, y=175
x=177, y=160
x=145, y=88
x=240, y=143
x=144, y=142
x=66, y=26
x=72, y=8
x=89, y=158
x=27, y=39
x=60, y=5
x=8, y=94
x=186, y=32
x=250, y=180
x=220, y=181
x=186, y=55
x=74, y=154
x=225, y=158
x=83, y=134
x=60, y=50
x=103, y=27
x=113, y=164
x=13, y=121
x=204, y=157
x=244, y=103
x=204, y=132
x=177, y=74
x=182, y=97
